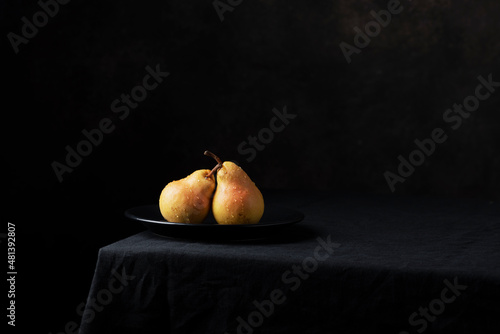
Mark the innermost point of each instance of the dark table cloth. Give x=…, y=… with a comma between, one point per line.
x=355, y=264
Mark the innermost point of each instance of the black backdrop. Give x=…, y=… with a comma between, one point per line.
x=352, y=120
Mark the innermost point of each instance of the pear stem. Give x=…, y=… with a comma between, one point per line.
x=210, y=154
x=217, y=167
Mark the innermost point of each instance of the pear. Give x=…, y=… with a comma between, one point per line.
x=237, y=200
x=188, y=200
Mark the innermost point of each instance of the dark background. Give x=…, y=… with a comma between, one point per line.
x=353, y=120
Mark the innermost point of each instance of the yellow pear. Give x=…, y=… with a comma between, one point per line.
x=188, y=200
x=237, y=200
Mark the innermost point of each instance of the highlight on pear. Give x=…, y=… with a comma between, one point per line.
x=234, y=200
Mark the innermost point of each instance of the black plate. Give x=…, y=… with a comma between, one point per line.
x=273, y=220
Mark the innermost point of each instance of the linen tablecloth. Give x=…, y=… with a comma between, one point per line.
x=355, y=264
